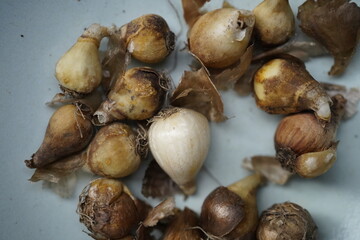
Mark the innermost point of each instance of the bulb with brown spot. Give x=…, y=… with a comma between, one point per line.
x=137, y=95
x=149, y=39
x=113, y=152
x=69, y=131
x=305, y=145
x=286, y=221
x=108, y=209
x=283, y=86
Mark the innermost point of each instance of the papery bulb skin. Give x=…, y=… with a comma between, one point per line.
x=79, y=69
x=138, y=95
x=149, y=38
x=113, y=152
x=275, y=21
x=108, y=209
x=220, y=37
x=286, y=221
x=283, y=86
x=69, y=131
x=181, y=227
x=179, y=140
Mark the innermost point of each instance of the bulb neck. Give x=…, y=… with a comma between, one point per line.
x=246, y=186
x=96, y=31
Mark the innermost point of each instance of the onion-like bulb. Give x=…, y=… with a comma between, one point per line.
x=179, y=140
x=286, y=221
x=305, y=145
x=137, y=95
x=275, y=22
x=113, y=152
x=149, y=38
x=108, y=209
x=69, y=131
x=79, y=69
x=231, y=212
x=283, y=86
x=220, y=37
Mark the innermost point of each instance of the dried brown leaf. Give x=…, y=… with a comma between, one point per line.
x=65, y=188
x=163, y=210
x=183, y=227
x=351, y=95
x=269, y=167
x=116, y=58
x=157, y=183
x=336, y=25
x=143, y=233
x=244, y=86
x=55, y=171
x=196, y=91
x=226, y=78
x=191, y=9
x=297, y=48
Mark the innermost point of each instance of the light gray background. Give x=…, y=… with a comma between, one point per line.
x=27, y=82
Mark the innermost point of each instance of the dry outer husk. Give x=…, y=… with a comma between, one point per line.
x=191, y=9
x=183, y=227
x=302, y=49
x=269, y=167
x=157, y=184
x=336, y=25
x=197, y=92
x=155, y=217
x=164, y=209
x=351, y=95
x=116, y=57
x=226, y=78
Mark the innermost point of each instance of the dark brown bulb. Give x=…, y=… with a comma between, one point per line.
x=221, y=212
x=286, y=221
x=108, y=209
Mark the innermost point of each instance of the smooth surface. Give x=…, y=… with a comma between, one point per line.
x=34, y=34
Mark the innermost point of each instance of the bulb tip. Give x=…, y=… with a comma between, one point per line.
x=30, y=163
x=323, y=112
x=188, y=188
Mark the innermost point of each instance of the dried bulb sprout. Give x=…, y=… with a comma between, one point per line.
x=283, y=86
x=231, y=212
x=108, y=209
x=230, y=27
x=69, y=131
x=137, y=95
x=305, y=145
x=149, y=39
x=286, y=221
x=179, y=140
x=113, y=152
x=274, y=21
x=79, y=69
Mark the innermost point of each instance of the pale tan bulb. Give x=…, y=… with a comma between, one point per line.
x=275, y=22
x=79, y=69
x=179, y=141
x=220, y=37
